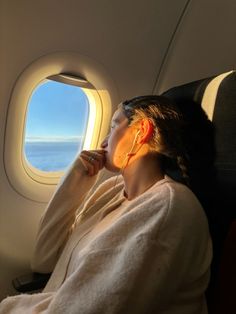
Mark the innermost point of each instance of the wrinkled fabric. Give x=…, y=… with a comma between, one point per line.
x=154, y=257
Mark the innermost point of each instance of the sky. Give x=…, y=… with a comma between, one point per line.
x=56, y=111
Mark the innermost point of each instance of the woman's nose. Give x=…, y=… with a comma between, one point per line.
x=104, y=143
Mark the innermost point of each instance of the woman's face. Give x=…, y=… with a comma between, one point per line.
x=119, y=141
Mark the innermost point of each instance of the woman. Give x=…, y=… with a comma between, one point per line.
x=140, y=242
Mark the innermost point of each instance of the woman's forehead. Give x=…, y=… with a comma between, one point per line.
x=119, y=115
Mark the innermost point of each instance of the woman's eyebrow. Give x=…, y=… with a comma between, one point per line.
x=116, y=120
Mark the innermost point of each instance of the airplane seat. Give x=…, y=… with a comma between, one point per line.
x=223, y=299
x=217, y=96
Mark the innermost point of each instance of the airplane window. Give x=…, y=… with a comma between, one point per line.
x=55, y=127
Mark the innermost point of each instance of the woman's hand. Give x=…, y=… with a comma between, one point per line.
x=93, y=160
x=90, y=161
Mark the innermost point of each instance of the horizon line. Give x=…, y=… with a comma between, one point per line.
x=53, y=139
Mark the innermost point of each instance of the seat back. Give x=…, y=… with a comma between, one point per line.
x=217, y=96
x=223, y=297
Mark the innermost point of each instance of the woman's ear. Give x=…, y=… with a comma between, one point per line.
x=146, y=131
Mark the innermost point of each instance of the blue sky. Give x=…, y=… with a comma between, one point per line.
x=56, y=111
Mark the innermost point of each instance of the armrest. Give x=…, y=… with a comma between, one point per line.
x=30, y=282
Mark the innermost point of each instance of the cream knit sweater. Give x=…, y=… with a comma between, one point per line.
x=148, y=255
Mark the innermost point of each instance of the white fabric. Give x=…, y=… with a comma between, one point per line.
x=210, y=94
x=153, y=256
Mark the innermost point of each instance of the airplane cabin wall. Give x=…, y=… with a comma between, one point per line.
x=204, y=44
x=143, y=46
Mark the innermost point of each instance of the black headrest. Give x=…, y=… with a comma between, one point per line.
x=217, y=96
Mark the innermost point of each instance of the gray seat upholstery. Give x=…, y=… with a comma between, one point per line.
x=217, y=96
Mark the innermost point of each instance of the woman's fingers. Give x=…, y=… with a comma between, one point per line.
x=94, y=160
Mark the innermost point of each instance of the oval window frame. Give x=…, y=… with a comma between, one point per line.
x=29, y=182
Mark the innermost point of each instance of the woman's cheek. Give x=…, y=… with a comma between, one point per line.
x=117, y=148
x=119, y=155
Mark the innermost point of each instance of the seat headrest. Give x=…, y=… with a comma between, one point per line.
x=217, y=96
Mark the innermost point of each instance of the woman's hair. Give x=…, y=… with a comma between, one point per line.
x=183, y=136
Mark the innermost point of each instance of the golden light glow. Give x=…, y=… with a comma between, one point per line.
x=209, y=97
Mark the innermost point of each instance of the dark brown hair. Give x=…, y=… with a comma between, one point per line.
x=183, y=135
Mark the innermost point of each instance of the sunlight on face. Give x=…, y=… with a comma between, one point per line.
x=119, y=141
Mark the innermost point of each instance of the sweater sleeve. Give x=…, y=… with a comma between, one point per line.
x=57, y=221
